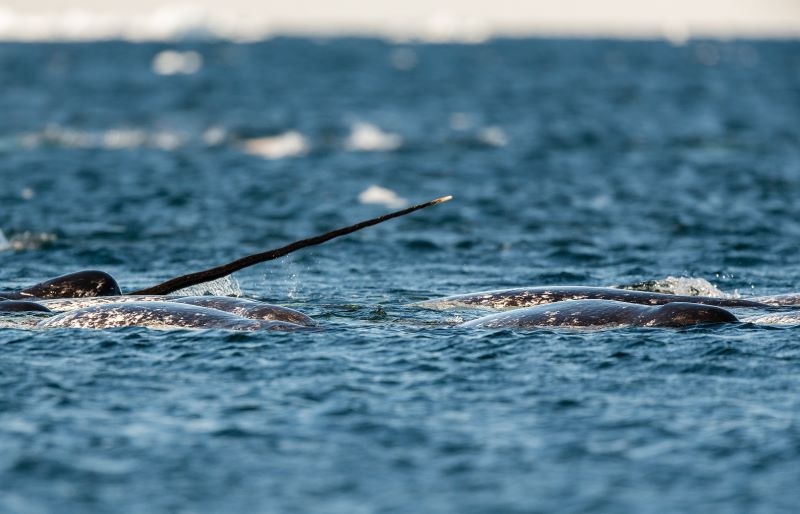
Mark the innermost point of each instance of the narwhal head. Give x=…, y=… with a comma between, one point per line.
x=683, y=314
x=75, y=285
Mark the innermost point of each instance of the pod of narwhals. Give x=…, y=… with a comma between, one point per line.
x=604, y=307
x=91, y=299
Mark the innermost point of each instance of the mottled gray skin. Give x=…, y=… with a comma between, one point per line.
x=164, y=315
x=605, y=314
x=72, y=285
x=243, y=307
x=70, y=304
x=532, y=296
x=21, y=306
x=251, y=309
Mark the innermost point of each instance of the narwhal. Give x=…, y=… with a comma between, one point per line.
x=598, y=307
x=599, y=313
x=93, y=299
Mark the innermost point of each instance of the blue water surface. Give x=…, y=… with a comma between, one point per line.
x=571, y=162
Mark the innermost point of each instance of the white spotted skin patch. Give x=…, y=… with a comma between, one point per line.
x=159, y=315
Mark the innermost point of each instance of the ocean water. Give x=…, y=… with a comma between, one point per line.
x=575, y=162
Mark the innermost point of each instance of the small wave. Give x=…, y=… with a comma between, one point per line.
x=288, y=144
x=403, y=59
x=172, y=62
x=365, y=137
x=493, y=136
x=177, y=22
x=461, y=121
x=215, y=136
x=776, y=318
x=25, y=240
x=113, y=139
x=124, y=138
x=382, y=196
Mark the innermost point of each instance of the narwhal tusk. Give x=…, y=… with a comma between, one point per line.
x=217, y=272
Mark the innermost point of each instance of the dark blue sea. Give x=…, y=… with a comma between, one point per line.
x=573, y=162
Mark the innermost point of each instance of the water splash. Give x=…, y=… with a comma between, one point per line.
x=685, y=286
x=225, y=286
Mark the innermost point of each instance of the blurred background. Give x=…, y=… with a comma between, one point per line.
x=443, y=19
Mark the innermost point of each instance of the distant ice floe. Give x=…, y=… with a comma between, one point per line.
x=181, y=21
x=173, y=62
x=288, y=144
x=365, y=137
x=380, y=195
x=166, y=23
x=465, y=22
x=443, y=26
